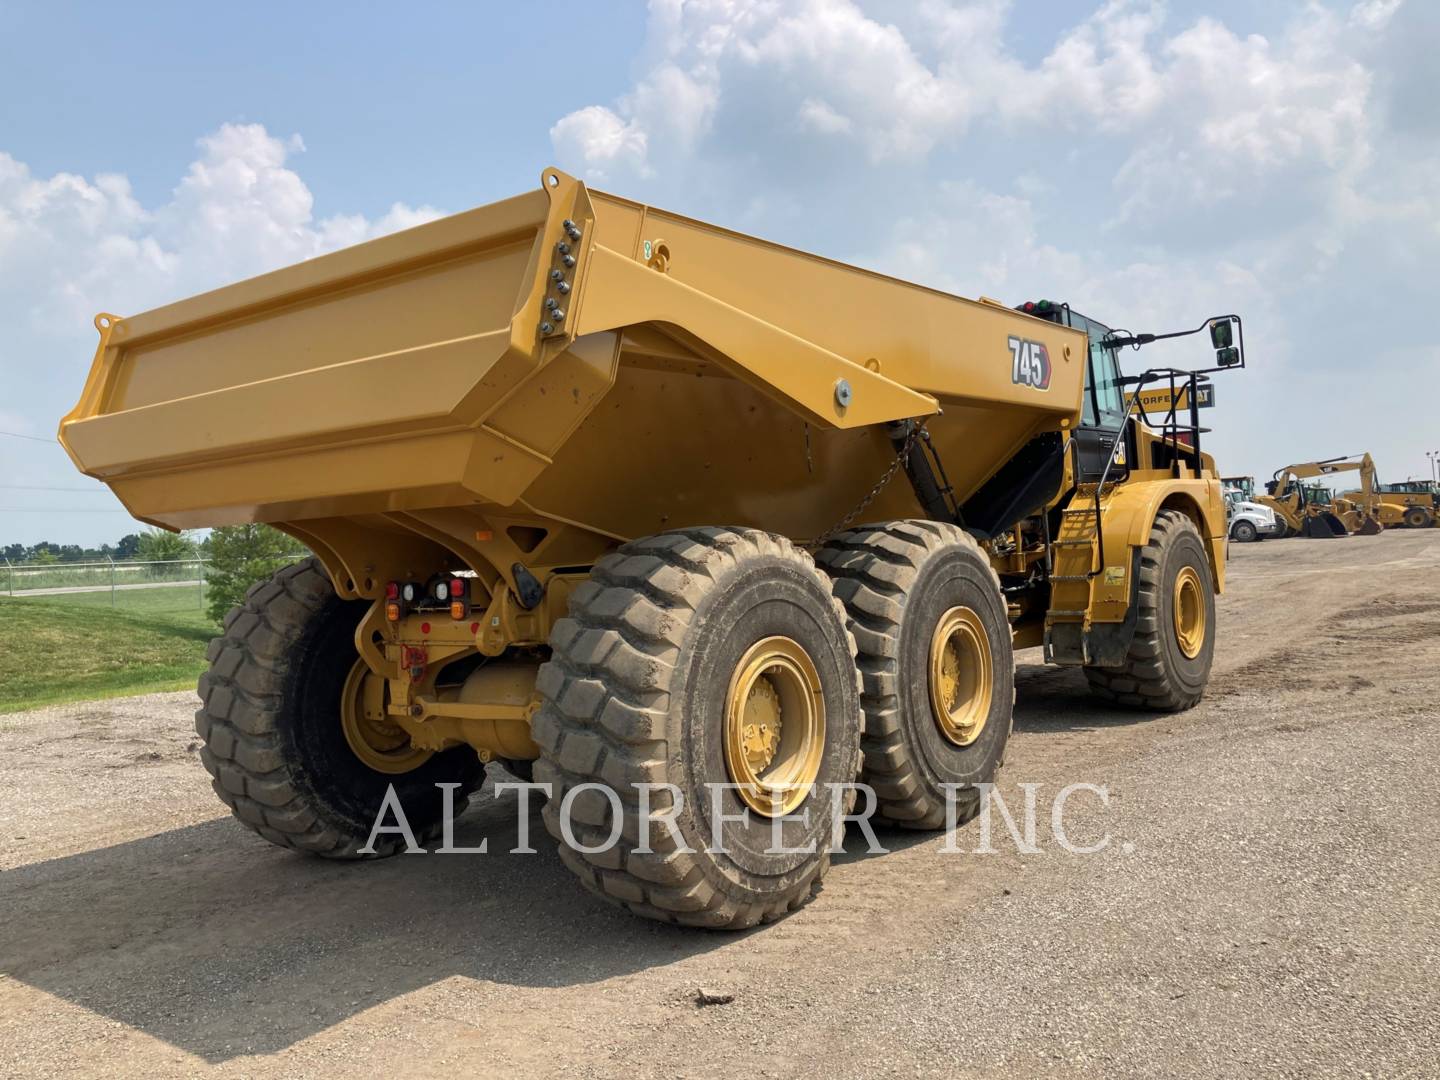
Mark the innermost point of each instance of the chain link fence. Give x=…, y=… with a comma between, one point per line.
x=172, y=585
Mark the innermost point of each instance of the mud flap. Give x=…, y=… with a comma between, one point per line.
x=1103, y=645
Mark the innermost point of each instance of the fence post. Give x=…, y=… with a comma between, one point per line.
x=111, y=561
x=200, y=577
x=9, y=566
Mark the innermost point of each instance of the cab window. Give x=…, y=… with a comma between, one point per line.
x=1104, y=372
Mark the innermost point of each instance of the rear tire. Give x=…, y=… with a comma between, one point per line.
x=899, y=581
x=274, y=744
x=638, y=692
x=1160, y=673
x=1417, y=517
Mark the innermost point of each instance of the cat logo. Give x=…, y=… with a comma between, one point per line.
x=1029, y=363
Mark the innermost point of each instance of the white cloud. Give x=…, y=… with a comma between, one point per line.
x=70, y=246
x=1150, y=163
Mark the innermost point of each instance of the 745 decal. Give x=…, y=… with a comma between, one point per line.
x=1029, y=363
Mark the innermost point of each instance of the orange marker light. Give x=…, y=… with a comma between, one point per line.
x=457, y=609
x=392, y=611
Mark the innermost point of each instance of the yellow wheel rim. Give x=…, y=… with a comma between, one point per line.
x=1189, y=612
x=774, y=726
x=961, y=676
x=374, y=739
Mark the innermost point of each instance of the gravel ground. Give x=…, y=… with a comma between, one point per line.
x=1268, y=903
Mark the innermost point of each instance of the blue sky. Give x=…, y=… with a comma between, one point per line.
x=1151, y=163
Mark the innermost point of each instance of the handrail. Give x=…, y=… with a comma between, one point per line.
x=1169, y=429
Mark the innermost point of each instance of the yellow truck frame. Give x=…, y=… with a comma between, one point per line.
x=562, y=459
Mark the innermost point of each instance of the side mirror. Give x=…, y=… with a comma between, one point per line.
x=1222, y=338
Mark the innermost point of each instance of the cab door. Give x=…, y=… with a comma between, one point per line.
x=1103, y=421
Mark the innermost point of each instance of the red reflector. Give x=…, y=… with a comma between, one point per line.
x=392, y=590
x=474, y=627
x=424, y=627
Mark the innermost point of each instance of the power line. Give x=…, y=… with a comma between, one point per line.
x=61, y=510
x=32, y=438
x=42, y=487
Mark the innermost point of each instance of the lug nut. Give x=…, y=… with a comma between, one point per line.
x=556, y=275
x=546, y=328
x=563, y=248
x=569, y=261
x=563, y=288
x=551, y=303
x=557, y=315
x=572, y=231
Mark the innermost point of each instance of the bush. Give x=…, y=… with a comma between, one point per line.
x=241, y=555
x=157, y=545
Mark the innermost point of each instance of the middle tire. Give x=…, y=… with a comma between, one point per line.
x=689, y=661
x=934, y=640
x=1417, y=517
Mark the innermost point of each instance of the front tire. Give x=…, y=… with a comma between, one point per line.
x=274, y=741
x=935, y=652
x=677, y=643
x=1170, y=656
x=1245, y=532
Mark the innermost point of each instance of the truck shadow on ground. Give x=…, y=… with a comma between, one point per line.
x=212, y=940
x=219, y=944
x=1051, y=699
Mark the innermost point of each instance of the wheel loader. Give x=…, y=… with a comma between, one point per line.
x=720, y=542
x=1413, y=504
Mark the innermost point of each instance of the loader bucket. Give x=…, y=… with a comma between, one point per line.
x=1324, y=526
x=1370, y=527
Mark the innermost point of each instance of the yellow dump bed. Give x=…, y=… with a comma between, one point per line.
x=568, y=355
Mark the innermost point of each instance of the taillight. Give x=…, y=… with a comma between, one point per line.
x=392, y=590
x=459, y=605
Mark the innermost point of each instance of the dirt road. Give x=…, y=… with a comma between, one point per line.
x=1268, y=903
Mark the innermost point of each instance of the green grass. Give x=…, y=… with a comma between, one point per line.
x=76, y=647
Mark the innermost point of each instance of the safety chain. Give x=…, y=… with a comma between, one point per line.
x=917, y=430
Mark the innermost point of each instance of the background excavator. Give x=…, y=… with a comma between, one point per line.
x=1305, y=516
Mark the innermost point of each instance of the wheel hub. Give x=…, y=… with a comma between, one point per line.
x=1189, y=605
x=961, y=676
x=378, y=742
x=774, y=726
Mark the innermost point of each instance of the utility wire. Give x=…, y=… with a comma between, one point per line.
x=42, y=487
x=60, y=510
x=32, y=438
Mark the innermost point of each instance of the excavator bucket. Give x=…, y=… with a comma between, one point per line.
x=1370, y=527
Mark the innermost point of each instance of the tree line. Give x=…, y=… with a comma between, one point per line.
x=238, y=556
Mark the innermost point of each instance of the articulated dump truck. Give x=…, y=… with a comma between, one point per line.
x=581, y=480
